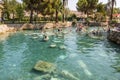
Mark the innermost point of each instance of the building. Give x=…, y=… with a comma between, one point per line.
x=79, y=14
x=116, y=17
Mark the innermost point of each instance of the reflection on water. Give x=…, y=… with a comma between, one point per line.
x=77, y=57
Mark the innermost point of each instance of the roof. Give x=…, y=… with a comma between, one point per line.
x=78, y=14
x=116, y=15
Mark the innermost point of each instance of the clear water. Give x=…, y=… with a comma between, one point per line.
x=84, y=58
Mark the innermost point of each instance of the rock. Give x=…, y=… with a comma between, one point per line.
x=56, y=41
x=46, y=77
x=62, y=57
x=54, y=78
x=48, y=25
x=45, y=67
x=114, y=36
x=4, y=28
x=62, y=47
x=27, y=26
x=34, y=37
x=52, y=45
x=68, y=75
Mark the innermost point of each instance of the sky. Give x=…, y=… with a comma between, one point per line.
x=72, y=3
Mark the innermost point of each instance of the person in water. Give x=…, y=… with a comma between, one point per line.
x=79, y=27
x=59, y=29
x=108, y=29
x=45, y=38
x=93, y=32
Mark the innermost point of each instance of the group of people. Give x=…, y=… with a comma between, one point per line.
x=80, y=27
x=46, y=37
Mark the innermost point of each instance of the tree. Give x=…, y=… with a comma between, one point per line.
x=82, y=5
x=9, y=8
x=116, y=10
x=101, y=12
x=31, y=5
x=101, y=9
x=47, y=7
x=111, y=5
x=50, y=7
x=12, y=8
x=87, y=6
x=5, y=10
x=58, y=8
x=20, y=11
x=63, y=10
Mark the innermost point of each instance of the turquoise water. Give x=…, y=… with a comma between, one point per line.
x=83, y=57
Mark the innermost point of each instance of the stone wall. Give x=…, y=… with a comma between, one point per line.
x=14, y=27
x=28, y=26
x=4, y=28
x=114, y=36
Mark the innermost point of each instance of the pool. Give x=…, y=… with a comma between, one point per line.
x=82, y=58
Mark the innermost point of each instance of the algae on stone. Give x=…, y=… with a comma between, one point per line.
x=43, y=66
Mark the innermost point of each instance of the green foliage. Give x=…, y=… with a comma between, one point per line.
x=114, y=22
x=74, y=22
x=60, y=17
x=5, y=15
x=116, y=10
x=73, y=16
x=110, y=6
x=45, y=7
x=86, y=6
x=82, y=5
x=6, y=12
x=31, y=5
x=20, y=11
x=11, y=7
x=101, y=8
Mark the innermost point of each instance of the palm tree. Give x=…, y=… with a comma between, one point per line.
x=58, y=7
x=111, y=5
x=31, y=5
x=63, y=10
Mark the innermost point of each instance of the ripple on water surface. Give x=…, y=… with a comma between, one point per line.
x=81, y=57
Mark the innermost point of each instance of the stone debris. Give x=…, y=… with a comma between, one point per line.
x=43, y=77
x=52, y=45
x=62, y=47
x=68, y=75
x=45, y=67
